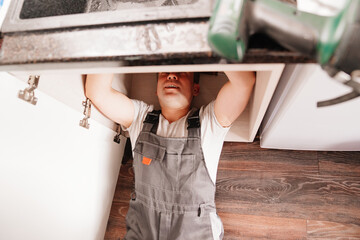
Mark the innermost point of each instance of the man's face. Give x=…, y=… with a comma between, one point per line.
x=176, y=90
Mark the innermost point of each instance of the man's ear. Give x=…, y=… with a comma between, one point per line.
x=196, y=89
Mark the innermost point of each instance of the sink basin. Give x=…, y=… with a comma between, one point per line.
x=47, y=8
x=39, y=9
x=27, y=15
x=106, y=5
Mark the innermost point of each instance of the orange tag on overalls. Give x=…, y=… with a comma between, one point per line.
x=146, y=161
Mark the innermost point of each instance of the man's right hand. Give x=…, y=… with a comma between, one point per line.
x=113, y=104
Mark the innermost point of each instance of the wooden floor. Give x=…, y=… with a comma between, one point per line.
x=274, y=194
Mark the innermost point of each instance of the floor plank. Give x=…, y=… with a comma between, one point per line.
x=237, y=226
x=328, y=198
x=116, y=227
x=125, y=183
x=339, y=163
x=249, y=157
x=332, y=230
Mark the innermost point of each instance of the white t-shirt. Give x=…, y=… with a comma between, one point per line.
x=212, y=138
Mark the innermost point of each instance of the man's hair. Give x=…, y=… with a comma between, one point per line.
x=196, y=77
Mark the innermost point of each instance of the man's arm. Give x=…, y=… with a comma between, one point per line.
x=233, y=97
x=115, y=105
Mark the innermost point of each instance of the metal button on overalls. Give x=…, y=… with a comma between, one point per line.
x=174, y=193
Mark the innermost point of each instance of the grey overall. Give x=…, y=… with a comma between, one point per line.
x=173, y=190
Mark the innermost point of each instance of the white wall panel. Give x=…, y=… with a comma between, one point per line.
x=57, y=179
x=294, y=122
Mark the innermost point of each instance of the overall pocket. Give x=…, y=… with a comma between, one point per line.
x=147, y=163
x=191, y=226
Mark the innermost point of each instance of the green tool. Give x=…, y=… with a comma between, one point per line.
x=334, y=41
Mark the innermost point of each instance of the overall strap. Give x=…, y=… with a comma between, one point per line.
x=151, y=121
x=194, y=124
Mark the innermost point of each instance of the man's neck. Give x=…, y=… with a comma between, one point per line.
x=173, y=115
